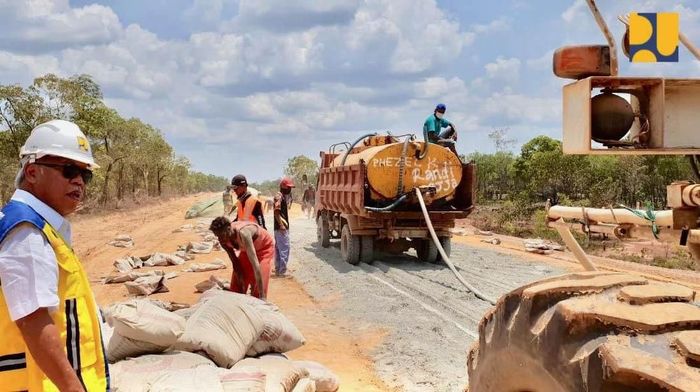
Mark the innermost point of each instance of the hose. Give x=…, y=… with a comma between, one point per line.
x=353, y=146
x=425, y=150
x=389, y=207
x=466, y=284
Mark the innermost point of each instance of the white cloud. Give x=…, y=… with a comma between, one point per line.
x=574, y=11
x=44, y=25
x=496, y=25
x=506, y=69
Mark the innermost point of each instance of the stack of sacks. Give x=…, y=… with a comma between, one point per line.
x=210, y=347
x=140, y=327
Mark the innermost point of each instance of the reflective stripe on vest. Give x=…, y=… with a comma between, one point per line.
x=245, y=211
x=76, y=318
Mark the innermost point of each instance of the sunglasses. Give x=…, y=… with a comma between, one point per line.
x=70, y=171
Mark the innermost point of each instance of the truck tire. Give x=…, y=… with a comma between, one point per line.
x=323, y=232
x=349, y=246
x=446, y=243
x=426, y=250
x=589, y=331
x=367, y=251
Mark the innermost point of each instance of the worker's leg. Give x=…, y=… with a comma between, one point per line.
x=281, y=251
x=265, y=258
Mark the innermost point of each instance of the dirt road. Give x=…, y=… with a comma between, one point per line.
x=398, y=324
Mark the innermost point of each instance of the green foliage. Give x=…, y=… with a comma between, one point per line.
x=134, y=157
x=298, y=168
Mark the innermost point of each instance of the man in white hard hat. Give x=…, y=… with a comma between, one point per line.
x=50, y=336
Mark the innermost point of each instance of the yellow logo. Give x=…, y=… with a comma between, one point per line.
x=654, y=37
x=83, y=144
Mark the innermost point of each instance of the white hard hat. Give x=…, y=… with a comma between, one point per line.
x=58, y=138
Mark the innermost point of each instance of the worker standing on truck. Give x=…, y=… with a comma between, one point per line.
x=248, y=208
x=49, y=320
x=433, y=125
x=228, y=201
x=283, y=201
x=251, y=249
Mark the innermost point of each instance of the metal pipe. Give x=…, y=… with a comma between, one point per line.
x=573, y=246
x=342, y=162
x=459, y=276
x=608, y=36
x=389, y=207
x=692, y=48
x=606, y=215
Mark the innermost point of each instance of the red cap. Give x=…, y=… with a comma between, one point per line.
x=287, y=183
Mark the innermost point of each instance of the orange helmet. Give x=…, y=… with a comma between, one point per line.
x=286, y=183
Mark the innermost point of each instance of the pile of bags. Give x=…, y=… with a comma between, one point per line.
x=225, y=342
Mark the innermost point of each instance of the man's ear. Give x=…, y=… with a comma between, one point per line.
x=30, y=173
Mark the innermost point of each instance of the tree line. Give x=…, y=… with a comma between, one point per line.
x=541, y=171
x=134, y=157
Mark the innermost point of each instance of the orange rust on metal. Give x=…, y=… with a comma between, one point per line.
x=582, y=61
x=656, y=292
x=592, y=283
x=624, y=361
x=688, y=344
x=341, y=188
x=656, y=317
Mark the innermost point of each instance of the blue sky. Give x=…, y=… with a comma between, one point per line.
x=242, y=85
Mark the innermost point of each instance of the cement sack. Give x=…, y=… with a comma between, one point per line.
x=202, y=378
x=243, y=379
x=199, y=247
x=279, y=334
x=305, y=385
x=184, y=255
x=143, y=321
x=212, y=283
x=130, y=276
x=127, y=264
x=121, y=244
x=203, y=267
x=326, y=380
x=138, y=374
x=167, y=305
x=281, y=375
x=163, y=259
x=147, y=285
x=222, y=328
x=119, y=348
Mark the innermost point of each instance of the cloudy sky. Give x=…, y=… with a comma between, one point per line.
x=242, y=85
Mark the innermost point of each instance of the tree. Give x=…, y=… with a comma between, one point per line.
x=500, y=139
x=300, y=166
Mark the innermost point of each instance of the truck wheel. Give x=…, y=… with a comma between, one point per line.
x=446, y=243
x=323, y=232
x=589, y=331
x=367, y=251
x=426, y=250
x=349, y=246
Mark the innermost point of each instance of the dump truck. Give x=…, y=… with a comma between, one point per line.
x=601, y=330
x=366, y=196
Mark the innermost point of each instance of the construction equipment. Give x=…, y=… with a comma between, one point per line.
x=365, y=196
x=605, y=331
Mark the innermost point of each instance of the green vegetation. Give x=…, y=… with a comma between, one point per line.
x=135, y=159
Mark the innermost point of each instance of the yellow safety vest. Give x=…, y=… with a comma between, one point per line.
x=77, y=319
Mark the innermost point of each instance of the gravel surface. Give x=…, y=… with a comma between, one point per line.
x=431, y=320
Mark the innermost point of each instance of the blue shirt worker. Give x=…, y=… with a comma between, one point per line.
x=433, y=129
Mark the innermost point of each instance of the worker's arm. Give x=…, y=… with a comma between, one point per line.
x=259, y=214
x=44, y=343
x=235, y=264
x=247, y=234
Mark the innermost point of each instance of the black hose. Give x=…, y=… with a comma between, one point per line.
x=425, y=149
x=389, y=207
x=342, y=162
